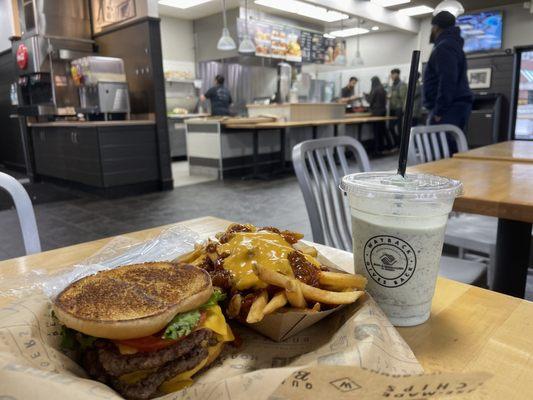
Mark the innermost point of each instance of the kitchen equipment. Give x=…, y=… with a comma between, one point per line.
x=103, y=88
x=54, y=33
x=284, y=82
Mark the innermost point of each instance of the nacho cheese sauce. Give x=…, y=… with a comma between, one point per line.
x=268, y=249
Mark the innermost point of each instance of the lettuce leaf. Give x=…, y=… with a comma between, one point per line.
x=183, y=324
x=215, y=298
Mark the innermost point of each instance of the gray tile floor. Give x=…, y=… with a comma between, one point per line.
x=276, y=202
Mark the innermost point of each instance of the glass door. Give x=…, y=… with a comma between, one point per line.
x=523, y=124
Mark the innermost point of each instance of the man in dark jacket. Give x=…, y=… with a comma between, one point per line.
x=446, y=91
x=377, y=100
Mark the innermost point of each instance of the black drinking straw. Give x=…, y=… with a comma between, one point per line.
x=408, y=115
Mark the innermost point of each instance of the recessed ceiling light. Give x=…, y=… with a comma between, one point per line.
x=389, y=3
x=349, y=32
x=418, y=10
x=183, y=4
x=329, y=36
x=304, y=9
x=375, y=28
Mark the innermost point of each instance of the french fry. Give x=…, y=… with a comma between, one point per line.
x=306, y=249
x=276, y=302
x=309, y=292
x=190, y=256
x=257, y=309
x=329, y=297
x=234, y=306
x=339, y=280
x=270, y=276
x=294, y=294
x=316, y=307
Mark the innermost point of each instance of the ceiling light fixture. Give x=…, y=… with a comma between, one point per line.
x=304, y=9
x=358, y=59
x=418, y=10
x=349, y=32
x=375, y=28
x=389, y=3
x=226, y=42
x=329, y=36
x=246, y=46
x=183, y=4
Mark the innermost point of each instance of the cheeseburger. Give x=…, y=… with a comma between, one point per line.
x=143, y=329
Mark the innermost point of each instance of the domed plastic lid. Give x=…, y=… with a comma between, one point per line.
x=421, y=187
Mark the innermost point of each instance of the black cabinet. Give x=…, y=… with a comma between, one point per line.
x=484, y=123
x=104, y=156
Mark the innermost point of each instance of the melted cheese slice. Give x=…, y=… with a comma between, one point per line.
x=268, y=249
x=215, y=321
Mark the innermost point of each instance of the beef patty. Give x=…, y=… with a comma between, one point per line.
x=104, y=363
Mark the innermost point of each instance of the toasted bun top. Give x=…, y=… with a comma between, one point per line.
x=132, y=301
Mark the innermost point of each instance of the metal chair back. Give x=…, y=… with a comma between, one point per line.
x=429, y=143
x=320, y=165
x=26, y=215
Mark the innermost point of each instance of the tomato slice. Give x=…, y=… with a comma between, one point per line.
x=154, y=342
x=147, y=343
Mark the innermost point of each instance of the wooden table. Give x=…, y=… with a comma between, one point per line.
x=513, y=151
x=503, y=190
x=470, y=329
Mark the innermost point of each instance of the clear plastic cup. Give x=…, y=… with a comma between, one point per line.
x=398, y=229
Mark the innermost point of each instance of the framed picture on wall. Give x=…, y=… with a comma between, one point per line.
x=110, y=12
x=479, y=78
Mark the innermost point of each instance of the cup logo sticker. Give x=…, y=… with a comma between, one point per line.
x=390, y=261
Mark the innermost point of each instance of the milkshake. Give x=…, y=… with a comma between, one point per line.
x=398, y=229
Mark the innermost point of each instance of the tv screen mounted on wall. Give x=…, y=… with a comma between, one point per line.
x=481, y=31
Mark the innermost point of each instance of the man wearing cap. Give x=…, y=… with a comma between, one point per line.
x=446, y=91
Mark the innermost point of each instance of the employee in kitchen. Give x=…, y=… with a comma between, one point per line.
x=446, y=91
x=348, y=92
x=219, y=96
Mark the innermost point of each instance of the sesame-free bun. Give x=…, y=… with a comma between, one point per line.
x=132, y=301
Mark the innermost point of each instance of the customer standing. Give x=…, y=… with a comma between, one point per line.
x=398, y=94
x=219, y=96
x=417, y=104
x=446, y=91
x=377, y=100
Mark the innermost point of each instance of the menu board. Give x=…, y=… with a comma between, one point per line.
x=262, y=39
x=306, y=41
x=294, y=46
x=317, y=48
x=279, y=44
x=291, y=44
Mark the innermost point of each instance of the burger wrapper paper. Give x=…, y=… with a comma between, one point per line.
x=353, y=352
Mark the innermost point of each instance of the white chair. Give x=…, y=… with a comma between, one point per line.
x=469, y=233
x=25, y=213
x=320, y=164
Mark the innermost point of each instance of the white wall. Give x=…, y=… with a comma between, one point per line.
x=177, y=41
x=517, y=26
x=6, y=24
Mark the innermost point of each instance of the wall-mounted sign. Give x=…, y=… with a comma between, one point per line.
x=292, y=44
x=110, y=12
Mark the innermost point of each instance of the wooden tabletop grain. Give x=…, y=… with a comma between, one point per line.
x=470, y=329
x=298, y=124
x=494, y=188
x=513, y=150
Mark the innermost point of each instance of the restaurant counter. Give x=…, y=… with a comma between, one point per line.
x=103, y=155
x=220, y=147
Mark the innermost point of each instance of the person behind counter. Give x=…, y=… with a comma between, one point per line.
x=348, y=92
x=398, y=94
x=377, y=100
x=219, y=96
